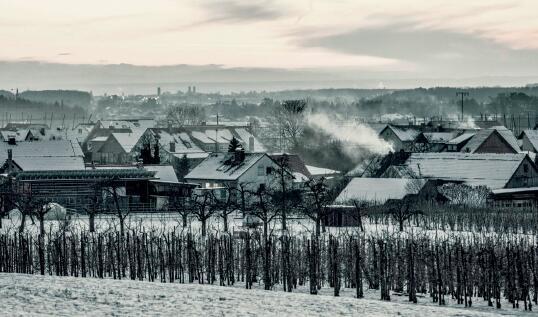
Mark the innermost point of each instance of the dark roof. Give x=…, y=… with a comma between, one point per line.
x=295, y=163
x=133, y=173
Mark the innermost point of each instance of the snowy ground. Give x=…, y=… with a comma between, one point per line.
x=33, y=295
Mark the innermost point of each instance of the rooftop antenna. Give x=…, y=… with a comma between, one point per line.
x=462, y=94
x=217, y=134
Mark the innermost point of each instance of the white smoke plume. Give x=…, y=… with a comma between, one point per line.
x=355, y=135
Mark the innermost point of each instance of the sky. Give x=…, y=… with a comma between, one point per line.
x=424, y=38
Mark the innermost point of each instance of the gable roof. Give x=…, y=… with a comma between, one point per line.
x=55, y=148
x=220, y=166
x=295, y=163
x=245, y=136
x=164, y=173
x=321, y=171
x=482, y=135
x=127, y=140
x=379, y=190
x=438, y=137
x=461, y=138
x=183, y=142
x=404, y=135
x=49, y=163
x=491, y=170
x=19, y=135
x=532, y=136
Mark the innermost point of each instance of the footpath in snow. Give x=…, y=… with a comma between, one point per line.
x=34, y=295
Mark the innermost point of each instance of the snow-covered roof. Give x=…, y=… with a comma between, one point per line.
x=408, y=134
x=221, y=166
x=482, y=135
x=183, y=142
x=99, y=139
x=128, y=140
x=461, y=138
x=200, y=155
x=50, y=163
x=244, y=137
x=491, y=170
x=514, y=190
x=202, y=137
x=320, y=171
x=164, y=173
x=438, y=137
x=532, y=136
x=378, y=190
x=57, y=148
x=19, y=135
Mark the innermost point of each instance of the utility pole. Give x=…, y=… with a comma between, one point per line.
x=462, y=94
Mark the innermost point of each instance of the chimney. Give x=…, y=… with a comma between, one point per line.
x=9, y=155
x=251, y=144
x=172, y=147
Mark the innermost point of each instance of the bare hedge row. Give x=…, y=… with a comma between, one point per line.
x=495, y=269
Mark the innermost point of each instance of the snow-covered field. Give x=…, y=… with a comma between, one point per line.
x=33, y=295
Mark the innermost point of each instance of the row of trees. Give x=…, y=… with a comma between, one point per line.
x=499, y=270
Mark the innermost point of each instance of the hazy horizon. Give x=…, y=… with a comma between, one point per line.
x=363, y=44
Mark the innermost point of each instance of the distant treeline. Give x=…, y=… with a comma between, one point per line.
x=420, y=102
x=18, y=107
x=70, y=98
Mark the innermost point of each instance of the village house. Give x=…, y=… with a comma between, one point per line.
x=456, y=144
x=494, y=171
x=494, y=140
x=174, y=144
x=42, y=155
x=401, y=138
x=529, y=140
x=233, y=170
x=433, y=141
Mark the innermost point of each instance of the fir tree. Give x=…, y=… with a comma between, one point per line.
x=234, y=145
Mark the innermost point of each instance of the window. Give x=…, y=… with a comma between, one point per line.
x=260, y=171
x=269, y=170
x=526, y=168
x=262, y=187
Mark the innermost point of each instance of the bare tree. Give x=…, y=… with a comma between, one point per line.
x=202, y=204
x=290, y=116
x=316, y=199
x=112, y=189
x=266, y=212
x=283, y=193
x=226, y=203
x=180, y=205
x=403, y=210
x=95, y=204
x=359, y=212
x=40, y=211
x=182, y=115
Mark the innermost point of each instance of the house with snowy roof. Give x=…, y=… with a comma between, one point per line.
x=401, y=138
x=493, y=170
x=456, y=144
x=117, y=148
x=173, y=145
x=16, y=135
x=529, y=140
x=494, y=140
x=433, y=141
x=377, y=191
x=232, y=170
x=41, y=156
